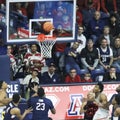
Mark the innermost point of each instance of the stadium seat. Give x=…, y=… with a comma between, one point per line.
x=5, y=68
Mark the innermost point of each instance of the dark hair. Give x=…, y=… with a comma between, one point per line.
x=16, y=98
x=90, y=39
x=1, y=82
x=41, y=92
x=101, y=86
x=117, y=99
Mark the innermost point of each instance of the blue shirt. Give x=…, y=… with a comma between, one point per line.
x=70, y=59
x=47, y=79
x=40, y=106
x=8, y=116
x=105, y=56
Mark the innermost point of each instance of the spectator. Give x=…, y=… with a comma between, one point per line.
x=111, y=75
x=94, y=4
x=34, y=59
x=81, y=4
x=87, y=78
x=106, y=34
x=95, y=27
x=79, y=17
x=28, y=82
x=59, y=55
x=116, y=53
x=81, y=39
x=12, y=60
x=105, y=55
x=114, y=25
x=66, y=23
x=72, y=77
x=71, y=58
x=12, y=110
x=89, y=57
x=51, y=76
x=41, y=113
x=109, y=6
x=88, y=14
x=33, y=77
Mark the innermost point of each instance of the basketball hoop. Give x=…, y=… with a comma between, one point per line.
x=46, y=45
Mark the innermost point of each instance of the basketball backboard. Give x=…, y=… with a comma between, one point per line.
x=25, y=28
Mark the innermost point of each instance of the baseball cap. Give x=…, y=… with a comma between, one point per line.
x=51, y=64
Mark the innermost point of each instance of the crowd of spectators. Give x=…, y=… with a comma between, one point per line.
x=96, y=49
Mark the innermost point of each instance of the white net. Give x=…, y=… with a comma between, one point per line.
x=46, y=48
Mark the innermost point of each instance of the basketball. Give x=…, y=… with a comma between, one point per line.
x=48, y=26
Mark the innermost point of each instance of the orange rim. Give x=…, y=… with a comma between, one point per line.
x=41, y=37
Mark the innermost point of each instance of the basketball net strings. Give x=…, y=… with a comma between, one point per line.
x=46, y=48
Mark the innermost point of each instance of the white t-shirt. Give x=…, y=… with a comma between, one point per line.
x=27, y=79
x=82, y=44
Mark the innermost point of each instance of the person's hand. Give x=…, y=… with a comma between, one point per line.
x=29, y=110
x=91, y=68
x=97, y=27
x=106, y=67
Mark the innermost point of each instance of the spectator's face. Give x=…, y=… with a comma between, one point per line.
x=80, y=30
x=75, y=45
x=73, y=73
x=112, y=70
x=117, y=42
x=106, y=30
x=52, y=69
x=9, y=49
x=90, y=44
x=33, y=48
x=34, y=73
x=113, y=19
x=97, y=15
x=104, y=43
x=87, y=77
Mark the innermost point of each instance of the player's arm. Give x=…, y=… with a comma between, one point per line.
x=53, y=111
x=82, y=110
x=16, y=111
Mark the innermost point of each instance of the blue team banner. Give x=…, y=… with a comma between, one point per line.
x=13, y=87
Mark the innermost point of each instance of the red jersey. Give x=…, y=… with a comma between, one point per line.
x=60, y=47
